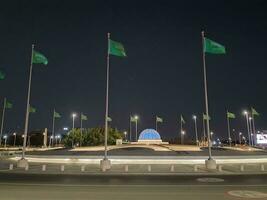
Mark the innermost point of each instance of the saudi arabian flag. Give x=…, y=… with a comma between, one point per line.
x=9, y=105
x=116, y=49
x=230, y=115
x=254, y=112
x=38, y=58
x=56, y=115
x=213, y=47
x=158, y=119
x=83, y=117
x=109, y=119
x=32, y=109
x=182, y=119
x=205, y=117
x=2, y=75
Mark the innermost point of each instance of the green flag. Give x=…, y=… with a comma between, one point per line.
x=116, y=49
x=9, y=105
x=83, y=117
x=230, y=115
x=182, y=119
x=205, y=117
x=213, y=47
x=109, y=119
x=254, y=112
x=158, y=119
x=32, y=109
x=2, y=75
x=56, y=114
x=39, y=58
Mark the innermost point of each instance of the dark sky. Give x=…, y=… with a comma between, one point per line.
x=162, y=75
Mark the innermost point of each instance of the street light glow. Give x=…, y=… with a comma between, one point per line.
x=240, y=133
x=245, y=112
x=5, y=137
x=136, y=117
x=183, y=132
x=74, y=115
x=65, y=128
x=194, y=117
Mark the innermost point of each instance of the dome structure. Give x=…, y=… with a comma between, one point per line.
x=149, y=134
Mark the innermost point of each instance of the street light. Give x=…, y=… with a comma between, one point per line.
x=182, y=136
x=65, y=128
x=5, y=137
x=240, y=134
x=246, y=115
x=15, y=136
x=136, y=119
x=73, y=119
x=195, y=121
x=251, y=132
x=125, y=135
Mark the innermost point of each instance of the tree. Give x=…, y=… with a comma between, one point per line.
x=91, y=136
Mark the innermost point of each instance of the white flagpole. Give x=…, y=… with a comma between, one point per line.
x=228, y=127
x=107, y=102
x=27, y=108
x=53, y=128
x=130, y=139
x=204, y=130
x=81, y=129
x=206, y=97
x=156, y=124
x=2, y=123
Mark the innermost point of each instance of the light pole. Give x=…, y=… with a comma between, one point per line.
x=195, y=121
x=240, y=134
x=15, y=136
x=211, y=134
x=73, y=121
x=136, y=119
x=182, y=136
x=125, y=135
x=5, y=137
x=246, y=115
x=251, y=132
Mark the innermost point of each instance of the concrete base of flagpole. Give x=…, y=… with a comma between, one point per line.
x=22, y=163
x=210, y=163
x=105, y=164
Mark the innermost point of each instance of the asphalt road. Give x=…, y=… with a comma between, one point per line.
x=138, y=151
x=32, y=187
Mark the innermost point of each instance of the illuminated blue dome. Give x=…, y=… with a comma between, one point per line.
x=149, y=134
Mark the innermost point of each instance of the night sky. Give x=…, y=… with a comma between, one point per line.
x=162, y=75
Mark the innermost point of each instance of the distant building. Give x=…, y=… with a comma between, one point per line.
x=149, y=136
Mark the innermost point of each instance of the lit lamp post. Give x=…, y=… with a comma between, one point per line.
x=251, y=133
x=73, y=120
x=195, y=121
x=136, y=119
x=125, y=135
x=211, y=134
x=15, y=136
x=5, y=137
x=246, y=115
x=182, y=136
x=240, y=134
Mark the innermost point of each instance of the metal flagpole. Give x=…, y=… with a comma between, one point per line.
x=253, y=127
x=2, y=123
x=206, y=95
x=81, y=129
x=28, y=107
x=182, y=136
x=248, y=129
x=130, y=139
x=228, y=127
x=107, y=93
x=136, y=130
x=204, y=129
x=195, y=120
x=53, y=128
x=156, y=124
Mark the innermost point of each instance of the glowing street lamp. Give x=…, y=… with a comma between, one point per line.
x=73, y=120
x=125, y=134
x=15, y=136
x=195, y=122
x=247, y=119
x=240, y=134
x=136, y=119
x=5, y=137
x=182, y=136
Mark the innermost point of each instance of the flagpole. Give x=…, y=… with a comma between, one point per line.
x=182, y=137
x=250, y=131
x=204, y=129
x=81, y=129
x=228, y=127
x=107, y=101
x=2, y=123
x=27, y=107
x=130, y=130
x=253, y=126
x=156, y=124
x=53, y=128
x=213, y=164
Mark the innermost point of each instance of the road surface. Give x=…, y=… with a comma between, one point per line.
x=32, y=187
